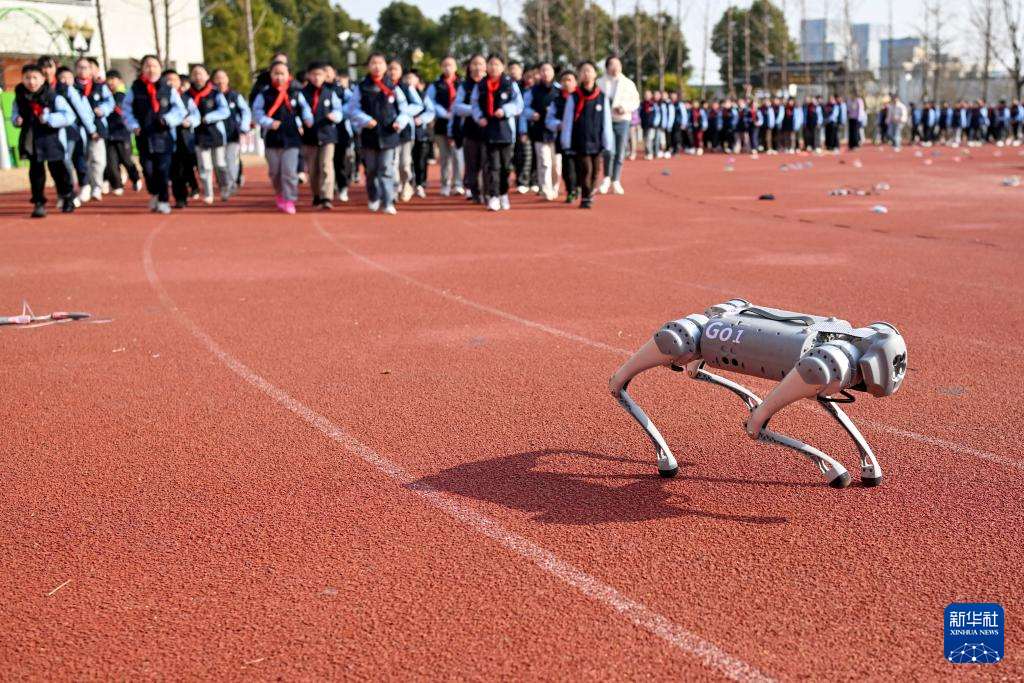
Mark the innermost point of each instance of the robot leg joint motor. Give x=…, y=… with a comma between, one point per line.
x=810, y=356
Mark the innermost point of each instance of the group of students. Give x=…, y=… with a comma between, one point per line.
x=972, y=123
x=668, y=125
x=79, y=125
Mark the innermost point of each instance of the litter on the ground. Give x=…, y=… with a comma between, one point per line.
x=878, y=208
x=767, y=197
x=1011, y=181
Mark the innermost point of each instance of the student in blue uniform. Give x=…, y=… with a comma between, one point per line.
x=677, y=134
x=98, y=98
x=553, y=122
x=237, y=124
x=421, y=125
x=119, y=141
x=831, y=117
x=468, y=133
x=532, y=124
x=495, y=103
x=319, y=139
x=665, y=124
x=767, y=136
x=811, y=122
x=345, y=163
x=282, y=113
x=650, y=117
x=210, y=132
x=152, y=111
x=403, y=155
x=184, y=184
x=441, y=95
x=587, y=131
x=792, y=120
x=80, y=132
x=43, y=117
x=378, y=112
x=697, y=117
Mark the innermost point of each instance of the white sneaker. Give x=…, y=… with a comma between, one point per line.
x=421, y=191
x=343, y=195
x=605, y=185
x=535, y=189
x=85, y=194
x=60, y=203
x=137, y=186
x=374, y=206
x=407, y=192
x=494, y=204
x=303, y=178
x=208, y=199
x=617, y=188
x=391, y=210
x=106, y=187
x=522, y=189
x=117, y=192
x=445, y=192
x=459, y=190
x=97, y=194
x=504, y=203
x=76, y=201
x=153, y=201
x=163, y=207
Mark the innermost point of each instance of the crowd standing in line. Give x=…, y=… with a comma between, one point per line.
x=496, y=127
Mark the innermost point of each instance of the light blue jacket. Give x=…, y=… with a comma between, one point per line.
x=512, y=108
x=569, y=117
x=303, y=116
x=360, y=118
x=173, y=118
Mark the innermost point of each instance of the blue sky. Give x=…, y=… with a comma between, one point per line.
x=907, y=15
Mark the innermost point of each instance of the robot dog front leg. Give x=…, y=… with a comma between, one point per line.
x=675, y=344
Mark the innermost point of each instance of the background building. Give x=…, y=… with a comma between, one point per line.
x=67, y=28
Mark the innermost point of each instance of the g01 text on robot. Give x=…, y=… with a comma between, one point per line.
x=811, y=356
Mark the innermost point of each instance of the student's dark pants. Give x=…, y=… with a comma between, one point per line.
x=810, y=137
x=420, y=157
x=677, y=139
x=183, y=174
x=119, y=153
x=523, y=161
x=499, y=165
x=831, y=136
x=766, y=138
x=696, y=138
x=588, y=168
x=569, y=173
x=60, y=175
x=79, y=156
x=156, y=169
x=854, y=140
x=475, y=154
x=343, y=157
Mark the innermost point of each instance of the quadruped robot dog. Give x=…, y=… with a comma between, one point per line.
x=812, y=356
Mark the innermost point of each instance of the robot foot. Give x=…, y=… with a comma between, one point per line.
x=669, y=474
x=871, y=475
x=840, y=481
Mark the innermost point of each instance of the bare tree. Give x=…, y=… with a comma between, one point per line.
x=638, y=44
x=250, y=38
x=156, y=29
x=615, y=28
x=503, y=34
x=982, y=18
x=167, y=31
x=1014, y=63
x=785, y=53
x=707, y=46
x=679, y=47
x=103, y=35
x=659, y=25
x=729, y=55
x=936, y=48
x=746, y=53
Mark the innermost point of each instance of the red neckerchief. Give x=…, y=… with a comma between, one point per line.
x=196, y=96
x=37, y=110
x=583, y=99
x=492, y=87
x=53, y=84
x=87, y=87
x=647, y=105
x=282, y=98
x=379, y=82
x=450, y=82
x=316, y=99
x=151, y=89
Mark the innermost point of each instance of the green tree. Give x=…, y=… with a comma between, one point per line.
x=401, y=29
x=224, y=37
x=764, y=17
x=640, y=49
x=462, y=32
x=574, y=30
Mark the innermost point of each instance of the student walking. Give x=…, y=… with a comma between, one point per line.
x=625, y=100
x=119, y=141
x=441, y=96
x=378, y=112
x=152, y=111
x=97, y=96
x=211, y=135
x=587, y=131
x=466, y=129
x=495, y=103
x=553, y=121
x=237, y=124
x=282, y=113
x=532, y=124
x=319, y=138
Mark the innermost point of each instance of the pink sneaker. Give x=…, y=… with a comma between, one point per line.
x=279, y=202
x=288, y=207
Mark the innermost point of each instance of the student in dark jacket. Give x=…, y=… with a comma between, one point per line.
x=211, y=133
x=43, y=117
x=345, y=160
x=152, y=111
x=282, y=112
x=468, y=133
x=496, y=102
x=184, y=183
x=318, y=140
x=98, y=98
x=422, y=122
x=235, y=126
x=535, y=106
x=587, y=131
x=379, y=111
x=119, y=140
x=553, y=121
x=441, y=95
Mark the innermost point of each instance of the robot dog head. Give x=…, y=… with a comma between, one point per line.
x=884, y=365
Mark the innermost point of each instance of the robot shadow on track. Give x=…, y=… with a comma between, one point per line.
x=521, y=482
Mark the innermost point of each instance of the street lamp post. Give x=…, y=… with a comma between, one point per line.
x=73, y=31
x=350, y=40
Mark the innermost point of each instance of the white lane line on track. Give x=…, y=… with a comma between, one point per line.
x=951, y=446
x=689, y=643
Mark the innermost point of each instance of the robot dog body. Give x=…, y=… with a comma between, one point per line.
x=811, y=357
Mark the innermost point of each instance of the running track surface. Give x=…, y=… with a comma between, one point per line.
x=343, y=445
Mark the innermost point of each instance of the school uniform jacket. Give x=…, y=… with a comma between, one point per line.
x=383, y=102
x=117, y=130
x=44, y=117
x=213, y=109
x=293, y=113
x=156, y=113
x=650, y=114
x=536, y=101
x=698, y=118
x=442, y=94
x=325, y=105
x=240, y=120
x=587, y=123
x=507, y=97
x=418, y=109
x=97, y=96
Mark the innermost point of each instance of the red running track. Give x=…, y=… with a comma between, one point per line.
x=350, y=446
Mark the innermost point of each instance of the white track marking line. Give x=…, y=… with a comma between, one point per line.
x=689, y=643
x=951, y=446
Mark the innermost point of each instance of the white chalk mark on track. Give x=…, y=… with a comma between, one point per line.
x=951, y=446
x=708, y=653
